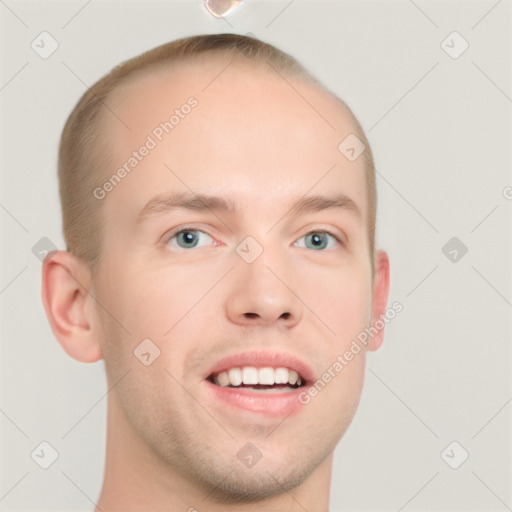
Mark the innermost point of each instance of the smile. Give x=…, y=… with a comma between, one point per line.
x=263, y=380
x=260, y=382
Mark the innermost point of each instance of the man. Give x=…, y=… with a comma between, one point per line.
x=219, y=213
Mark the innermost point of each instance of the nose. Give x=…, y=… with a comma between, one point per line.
x=262, y=295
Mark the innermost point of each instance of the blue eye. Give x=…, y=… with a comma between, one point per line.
x=319, y=240
x=187, y=238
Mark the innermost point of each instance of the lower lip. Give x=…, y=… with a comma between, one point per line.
x=270, y=404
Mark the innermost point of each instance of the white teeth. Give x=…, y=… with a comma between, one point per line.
x=281, y=376
x=266, y=376
x=235, y=376
x=251, y=376
x=223, y=379
x=271, y=390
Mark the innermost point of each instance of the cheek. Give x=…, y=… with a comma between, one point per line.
x=167, y=298
x=160, y=303
x=342, y=299
x=347, y=303
x=148, y=303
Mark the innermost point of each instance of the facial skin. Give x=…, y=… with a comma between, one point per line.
x=254, y=141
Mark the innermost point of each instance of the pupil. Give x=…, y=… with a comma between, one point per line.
x=317, y=240
x=188, y=237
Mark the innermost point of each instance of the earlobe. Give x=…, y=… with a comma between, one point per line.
x=380, y=298
x=66, y=281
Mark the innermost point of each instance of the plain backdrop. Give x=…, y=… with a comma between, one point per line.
x=440, y=130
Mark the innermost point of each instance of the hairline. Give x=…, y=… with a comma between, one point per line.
x=102, y=158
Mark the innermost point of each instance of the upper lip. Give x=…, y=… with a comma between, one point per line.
x=260, y=359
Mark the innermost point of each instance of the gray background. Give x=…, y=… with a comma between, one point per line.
x=440, y=131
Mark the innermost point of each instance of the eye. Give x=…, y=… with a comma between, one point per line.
x=319, y=240
x=188, y=238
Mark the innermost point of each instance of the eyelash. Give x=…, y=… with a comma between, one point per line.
x=174, y=234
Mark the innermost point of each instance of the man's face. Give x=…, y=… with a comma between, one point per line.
x=257, y=143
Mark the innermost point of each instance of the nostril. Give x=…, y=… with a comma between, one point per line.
x=286, y=316
x=251, y=315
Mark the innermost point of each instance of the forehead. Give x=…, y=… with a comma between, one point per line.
x=223, y=125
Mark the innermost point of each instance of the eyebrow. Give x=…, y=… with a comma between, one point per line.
x=167, y=202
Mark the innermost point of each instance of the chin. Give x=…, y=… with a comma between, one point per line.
x=251, y=485
x=229, y=481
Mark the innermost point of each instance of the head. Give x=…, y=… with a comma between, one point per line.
x=207, y=208
x=85, y=157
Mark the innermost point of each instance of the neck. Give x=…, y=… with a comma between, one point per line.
x=138, y=479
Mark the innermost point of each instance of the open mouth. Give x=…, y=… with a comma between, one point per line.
x=261, y=380
x=267, y=383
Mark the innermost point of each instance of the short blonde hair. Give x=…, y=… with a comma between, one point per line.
x=83, y=155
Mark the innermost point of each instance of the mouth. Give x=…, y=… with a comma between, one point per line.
x=260, y=380
x=265, y=383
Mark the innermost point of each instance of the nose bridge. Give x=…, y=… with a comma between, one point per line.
x=263, y=285
x=261, y=267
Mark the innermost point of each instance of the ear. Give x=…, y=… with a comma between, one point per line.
x=380, y=296
x=66, y=281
